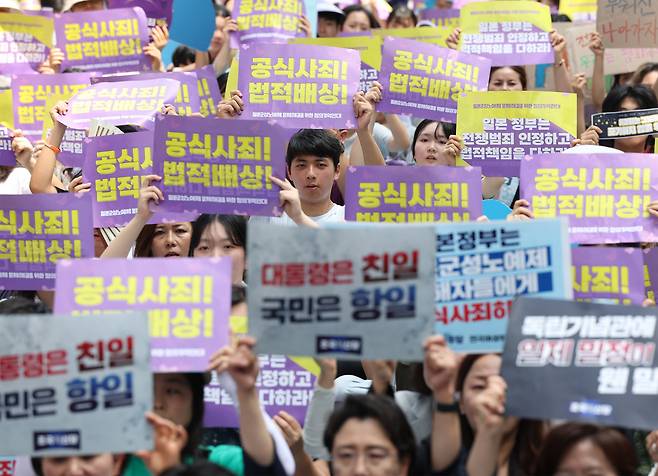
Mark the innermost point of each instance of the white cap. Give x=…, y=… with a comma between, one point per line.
x=326, y=7
x=591, y=149
x=13, y=4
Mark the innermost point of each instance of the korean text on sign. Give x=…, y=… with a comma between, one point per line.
x=421, y=79
x=605, y=196
x=299, y=85
x=507, y=32
x=500, y=128
x=25, y=41
x=482, y=267
x=188, y=302
x=413, y=194
x=107, y=40
x=219, y=165
x=629, y=24
x=267, y=20
x=604, y=357
x=38, y=230
x=71, y=386
x=369, y=296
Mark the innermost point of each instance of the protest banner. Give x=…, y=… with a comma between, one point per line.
x=115, y=166
x=627, y=60
x=413, y=194
x=120, y=103
x=7, y=156
x=187, y=99
x=425, y=81
x=608, y=275
x=441, y=17
x=616, y=125
x=158, y=12
x=188, y=302
x=499, y=128
x=299, y=85
x=482, y=267
x=38, y=230
x=108, y=40
x=650, y=257
x=74, y=386
x=369, y=48
x=602, y=355
x=507, y=32
x=627, y=24
x=605, y=196
x=25, y=42
x=30, y=91
x=581, y=58
x=369, y=295
x=209, y=94
x=219, y=165
x=268, y=21
x=436, y=36
x=579, y=11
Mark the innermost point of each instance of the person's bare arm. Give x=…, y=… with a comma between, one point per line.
x=598, y=79
x=42, y=180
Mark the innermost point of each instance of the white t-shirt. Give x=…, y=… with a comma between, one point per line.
x=17, y=183
x=335, y=214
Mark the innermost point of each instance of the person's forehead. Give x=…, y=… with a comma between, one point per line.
x=310, y=158
x=362, y=432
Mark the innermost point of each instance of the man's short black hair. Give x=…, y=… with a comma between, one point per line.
x=385, y=412
x=317, y=142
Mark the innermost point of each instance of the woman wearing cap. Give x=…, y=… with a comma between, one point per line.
x=329, y=20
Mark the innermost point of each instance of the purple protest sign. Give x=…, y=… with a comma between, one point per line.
x=115, y=165
x=120, y=103
x=209, y=93
x=605, y=196
x=188, y=302
x=299, y=85
x=107, y=40
x=7, y=157
x=36, y=231
x=219, y=165
x=156, y=10
x=268, y=21
x=413, y=194
x=187, y=99
x=25, y=42
x=283, y=384
x=609, y=275
x=650, y=257
x=29, y=93
x=442, y=17
x=72, y=148
x=424, y=80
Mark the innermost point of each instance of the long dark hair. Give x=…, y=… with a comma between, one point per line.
x=197, y=382
x=645, y=98
x=358, y=8
x=235, y=226
x=449, y=129
x=5, y=170
x=529, y=436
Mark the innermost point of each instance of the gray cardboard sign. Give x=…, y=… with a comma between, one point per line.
x=582, y=361
x=359, y=291
x=73, y=385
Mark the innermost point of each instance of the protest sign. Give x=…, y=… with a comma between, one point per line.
x=188, y=302
x=627, y=24
x=71, y=148
x=605, y=196
x=369, y=48
x=219, y=165
x=651, y=272
x=627, y=60
x=608, y=275
x=369, y=295
x=423, y=80
x=108, y=40
x=74, y=386
x=120, y=103
x=615, y=125
x=265, y=22
x=482, y=267
x=499, y=128
x=30, y=92
x=187, y=99
x=507, y=32
x=25, y=42
x=581, y=58
x=209, y=94
x=603, y=357
x=441, y=17
x=115, y=166
x=284, y=384
x=158, y=12
x=435, y=36
x=299, y=85
x=38, y=230
x=413, y=194
x=7, y=156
